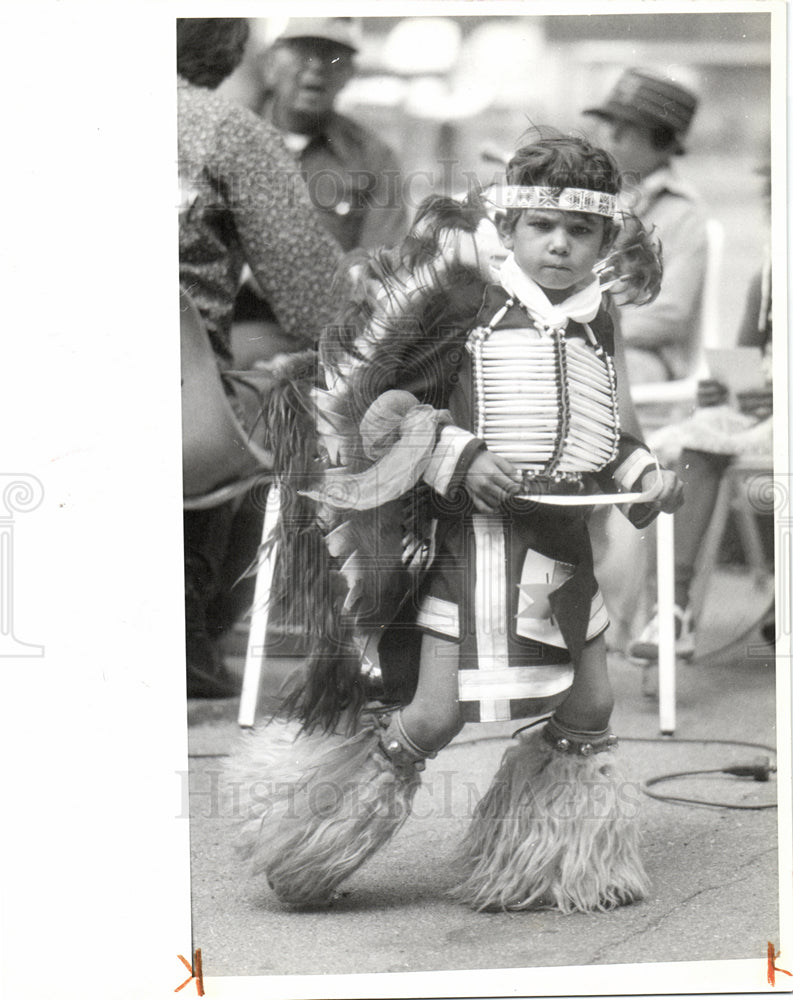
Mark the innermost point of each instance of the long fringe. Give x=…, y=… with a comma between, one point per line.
x=331, y=684
x=314, y=808
x=306, y=590
x=553, y=831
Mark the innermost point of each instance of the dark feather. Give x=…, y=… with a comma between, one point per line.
x=307, y=577
x=637, y=261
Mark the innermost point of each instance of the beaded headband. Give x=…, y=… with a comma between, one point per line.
x=562, y=199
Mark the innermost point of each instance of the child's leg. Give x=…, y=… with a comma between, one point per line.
x=432, y=719
x=553, y=829
x=589, y=704
x=336, y=798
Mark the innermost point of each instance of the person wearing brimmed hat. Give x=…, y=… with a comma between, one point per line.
x=644, y=122
x=353, y=176
x=703, y=447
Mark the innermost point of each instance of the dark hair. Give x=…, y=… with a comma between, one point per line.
x=208, y=49
x=564, y=161
x=561, y=161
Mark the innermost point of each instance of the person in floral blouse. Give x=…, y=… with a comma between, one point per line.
x=242, y=201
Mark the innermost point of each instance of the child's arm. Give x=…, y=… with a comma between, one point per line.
x=490, y=480
x=635, y=470
x=397, y=425
x=665, y=492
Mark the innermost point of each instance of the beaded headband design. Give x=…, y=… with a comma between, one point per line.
x=562, y=199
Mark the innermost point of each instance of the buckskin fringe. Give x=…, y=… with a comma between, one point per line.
x=553, y=831
x=314, y=808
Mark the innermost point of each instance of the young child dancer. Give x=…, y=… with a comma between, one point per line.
x=462, y=423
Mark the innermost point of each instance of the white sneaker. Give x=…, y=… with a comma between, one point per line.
x=646, y=646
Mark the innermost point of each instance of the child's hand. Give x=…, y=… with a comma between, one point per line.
x=490, y=480
x=665, y=491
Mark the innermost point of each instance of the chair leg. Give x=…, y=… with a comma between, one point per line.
x=260, y=615
x=710, y=548
x=746, y=520
x=667, y=667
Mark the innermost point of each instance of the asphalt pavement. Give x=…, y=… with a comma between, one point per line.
x=714, y=870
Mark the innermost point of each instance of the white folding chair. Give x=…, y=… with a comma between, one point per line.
x=220, y=459
x=660, y=404
x=260, y=614
x=745, y=487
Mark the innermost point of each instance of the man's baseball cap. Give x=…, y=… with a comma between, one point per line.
x=649, y=101
x=343, y=31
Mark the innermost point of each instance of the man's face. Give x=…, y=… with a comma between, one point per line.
x=632, y=147
x=305, y=75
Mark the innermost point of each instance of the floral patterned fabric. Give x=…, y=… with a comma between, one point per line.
x=243, y=200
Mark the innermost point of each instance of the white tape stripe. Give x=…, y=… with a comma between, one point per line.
x=446, y=455
x=439, y=616
x=514, y=683
x=598, y=616
x=490, y=607
x=635, y=465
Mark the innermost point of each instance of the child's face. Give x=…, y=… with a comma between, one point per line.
x=557, y=249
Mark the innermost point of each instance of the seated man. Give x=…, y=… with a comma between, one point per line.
x=353, y=177
x=643, y=123
x=355, y=184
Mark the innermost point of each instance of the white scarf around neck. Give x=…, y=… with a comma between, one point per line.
x=581, y=307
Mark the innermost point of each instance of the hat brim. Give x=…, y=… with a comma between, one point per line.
x=285, y=39
x=630, y=117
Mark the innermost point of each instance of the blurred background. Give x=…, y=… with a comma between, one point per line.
x=452, y=94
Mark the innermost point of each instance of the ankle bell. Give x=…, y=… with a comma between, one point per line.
x=576, y=741
x=405, y=755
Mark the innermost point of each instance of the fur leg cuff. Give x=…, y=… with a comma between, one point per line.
x=314, y=807
x=555, y=830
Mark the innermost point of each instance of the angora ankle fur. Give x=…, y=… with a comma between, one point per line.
x=315, y=807
x=554, y=830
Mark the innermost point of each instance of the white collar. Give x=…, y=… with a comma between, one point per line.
x=581, y=307
x=295, y=142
